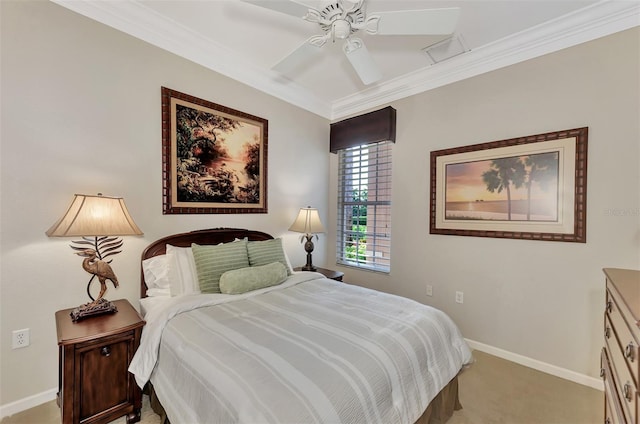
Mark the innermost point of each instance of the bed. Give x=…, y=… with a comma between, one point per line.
x=303, y=350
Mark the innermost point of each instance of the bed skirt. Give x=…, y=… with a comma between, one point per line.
x=438, y=412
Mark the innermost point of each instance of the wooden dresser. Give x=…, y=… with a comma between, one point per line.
x=620, y=361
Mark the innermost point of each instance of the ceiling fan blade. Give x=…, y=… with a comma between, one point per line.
x=289, y=7
x=361, y=60
x=416, y=22
x=304, y=53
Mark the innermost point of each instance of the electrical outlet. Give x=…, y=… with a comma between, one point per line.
x=429, y=290
x=459, y=297
x=20, y=338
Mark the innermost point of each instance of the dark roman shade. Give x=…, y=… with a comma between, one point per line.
x=372, y=127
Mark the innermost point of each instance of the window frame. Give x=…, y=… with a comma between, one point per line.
x=381, y=243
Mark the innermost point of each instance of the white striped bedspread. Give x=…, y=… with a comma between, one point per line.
x=311, y=350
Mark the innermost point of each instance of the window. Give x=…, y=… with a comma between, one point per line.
x=364, y=206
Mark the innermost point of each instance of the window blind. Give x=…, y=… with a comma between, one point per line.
x=364, y=206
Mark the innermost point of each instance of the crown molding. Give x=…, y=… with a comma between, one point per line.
x=596, y=21
x=137, y=20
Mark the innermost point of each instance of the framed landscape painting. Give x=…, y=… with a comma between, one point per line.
x=530, y=187
x=214, y=157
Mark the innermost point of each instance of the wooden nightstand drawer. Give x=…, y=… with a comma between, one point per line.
x=103, y=363
x=95, y=385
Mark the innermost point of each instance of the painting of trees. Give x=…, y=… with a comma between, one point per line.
x=531, y=187
x=505, y=172
x=543, y=169
x=214, y=157
x=207, y=171
x=516, y=172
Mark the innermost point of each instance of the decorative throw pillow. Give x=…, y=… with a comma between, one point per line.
x=213, y=261
x=183, y=277
x=244, y=280
x=268, y=251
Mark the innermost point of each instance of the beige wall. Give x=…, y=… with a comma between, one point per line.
x=81, y=114
x=541, y=300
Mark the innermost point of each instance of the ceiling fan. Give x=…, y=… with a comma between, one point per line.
x=341, y=19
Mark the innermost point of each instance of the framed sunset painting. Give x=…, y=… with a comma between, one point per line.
x=530, y=187
x=214, y=157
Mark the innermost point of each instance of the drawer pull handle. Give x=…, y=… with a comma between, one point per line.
x=607, y=332
x=602, y=372
x=627, y=391
x=609, y=306
x=629, y=352
x=607, y=421
x=105, y=351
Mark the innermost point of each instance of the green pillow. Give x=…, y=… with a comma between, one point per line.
x=243, y=280
x=214, y=260
x=266, y=252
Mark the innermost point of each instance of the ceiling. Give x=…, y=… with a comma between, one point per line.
x=243, y=41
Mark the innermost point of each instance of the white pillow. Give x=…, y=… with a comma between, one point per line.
x=156, y=272
x=183, y=277
x=159, y=292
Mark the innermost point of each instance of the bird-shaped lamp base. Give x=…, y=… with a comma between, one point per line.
x=97, y=307
x=95, y=266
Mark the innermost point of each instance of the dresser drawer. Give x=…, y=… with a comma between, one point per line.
x=621, y=355
x=613, y=411
x=627, y=339
x=625, y=387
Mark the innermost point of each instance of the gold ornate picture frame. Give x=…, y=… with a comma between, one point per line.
x=532, y=188
x=214, y=158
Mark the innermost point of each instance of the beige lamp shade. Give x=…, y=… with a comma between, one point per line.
x=307, y=222
x=95, y=215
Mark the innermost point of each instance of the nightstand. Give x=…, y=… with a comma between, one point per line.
x=94, y=384
x=329, y=273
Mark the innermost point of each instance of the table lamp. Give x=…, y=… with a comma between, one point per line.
x=98, y=220
x=308, y=223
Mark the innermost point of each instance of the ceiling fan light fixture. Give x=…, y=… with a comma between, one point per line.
x=341, y=29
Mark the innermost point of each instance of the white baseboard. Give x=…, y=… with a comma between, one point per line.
x=576, y=377
x=27, y=403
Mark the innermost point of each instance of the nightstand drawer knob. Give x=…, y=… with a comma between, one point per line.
x=609, y=306
x=105, y=351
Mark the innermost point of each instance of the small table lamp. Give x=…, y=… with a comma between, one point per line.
x=97, y=219
x=308, y=222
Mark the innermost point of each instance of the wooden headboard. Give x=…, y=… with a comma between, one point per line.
x=211, y=236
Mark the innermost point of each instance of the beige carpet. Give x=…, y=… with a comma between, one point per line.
x=495, y=391
x=492, y=391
